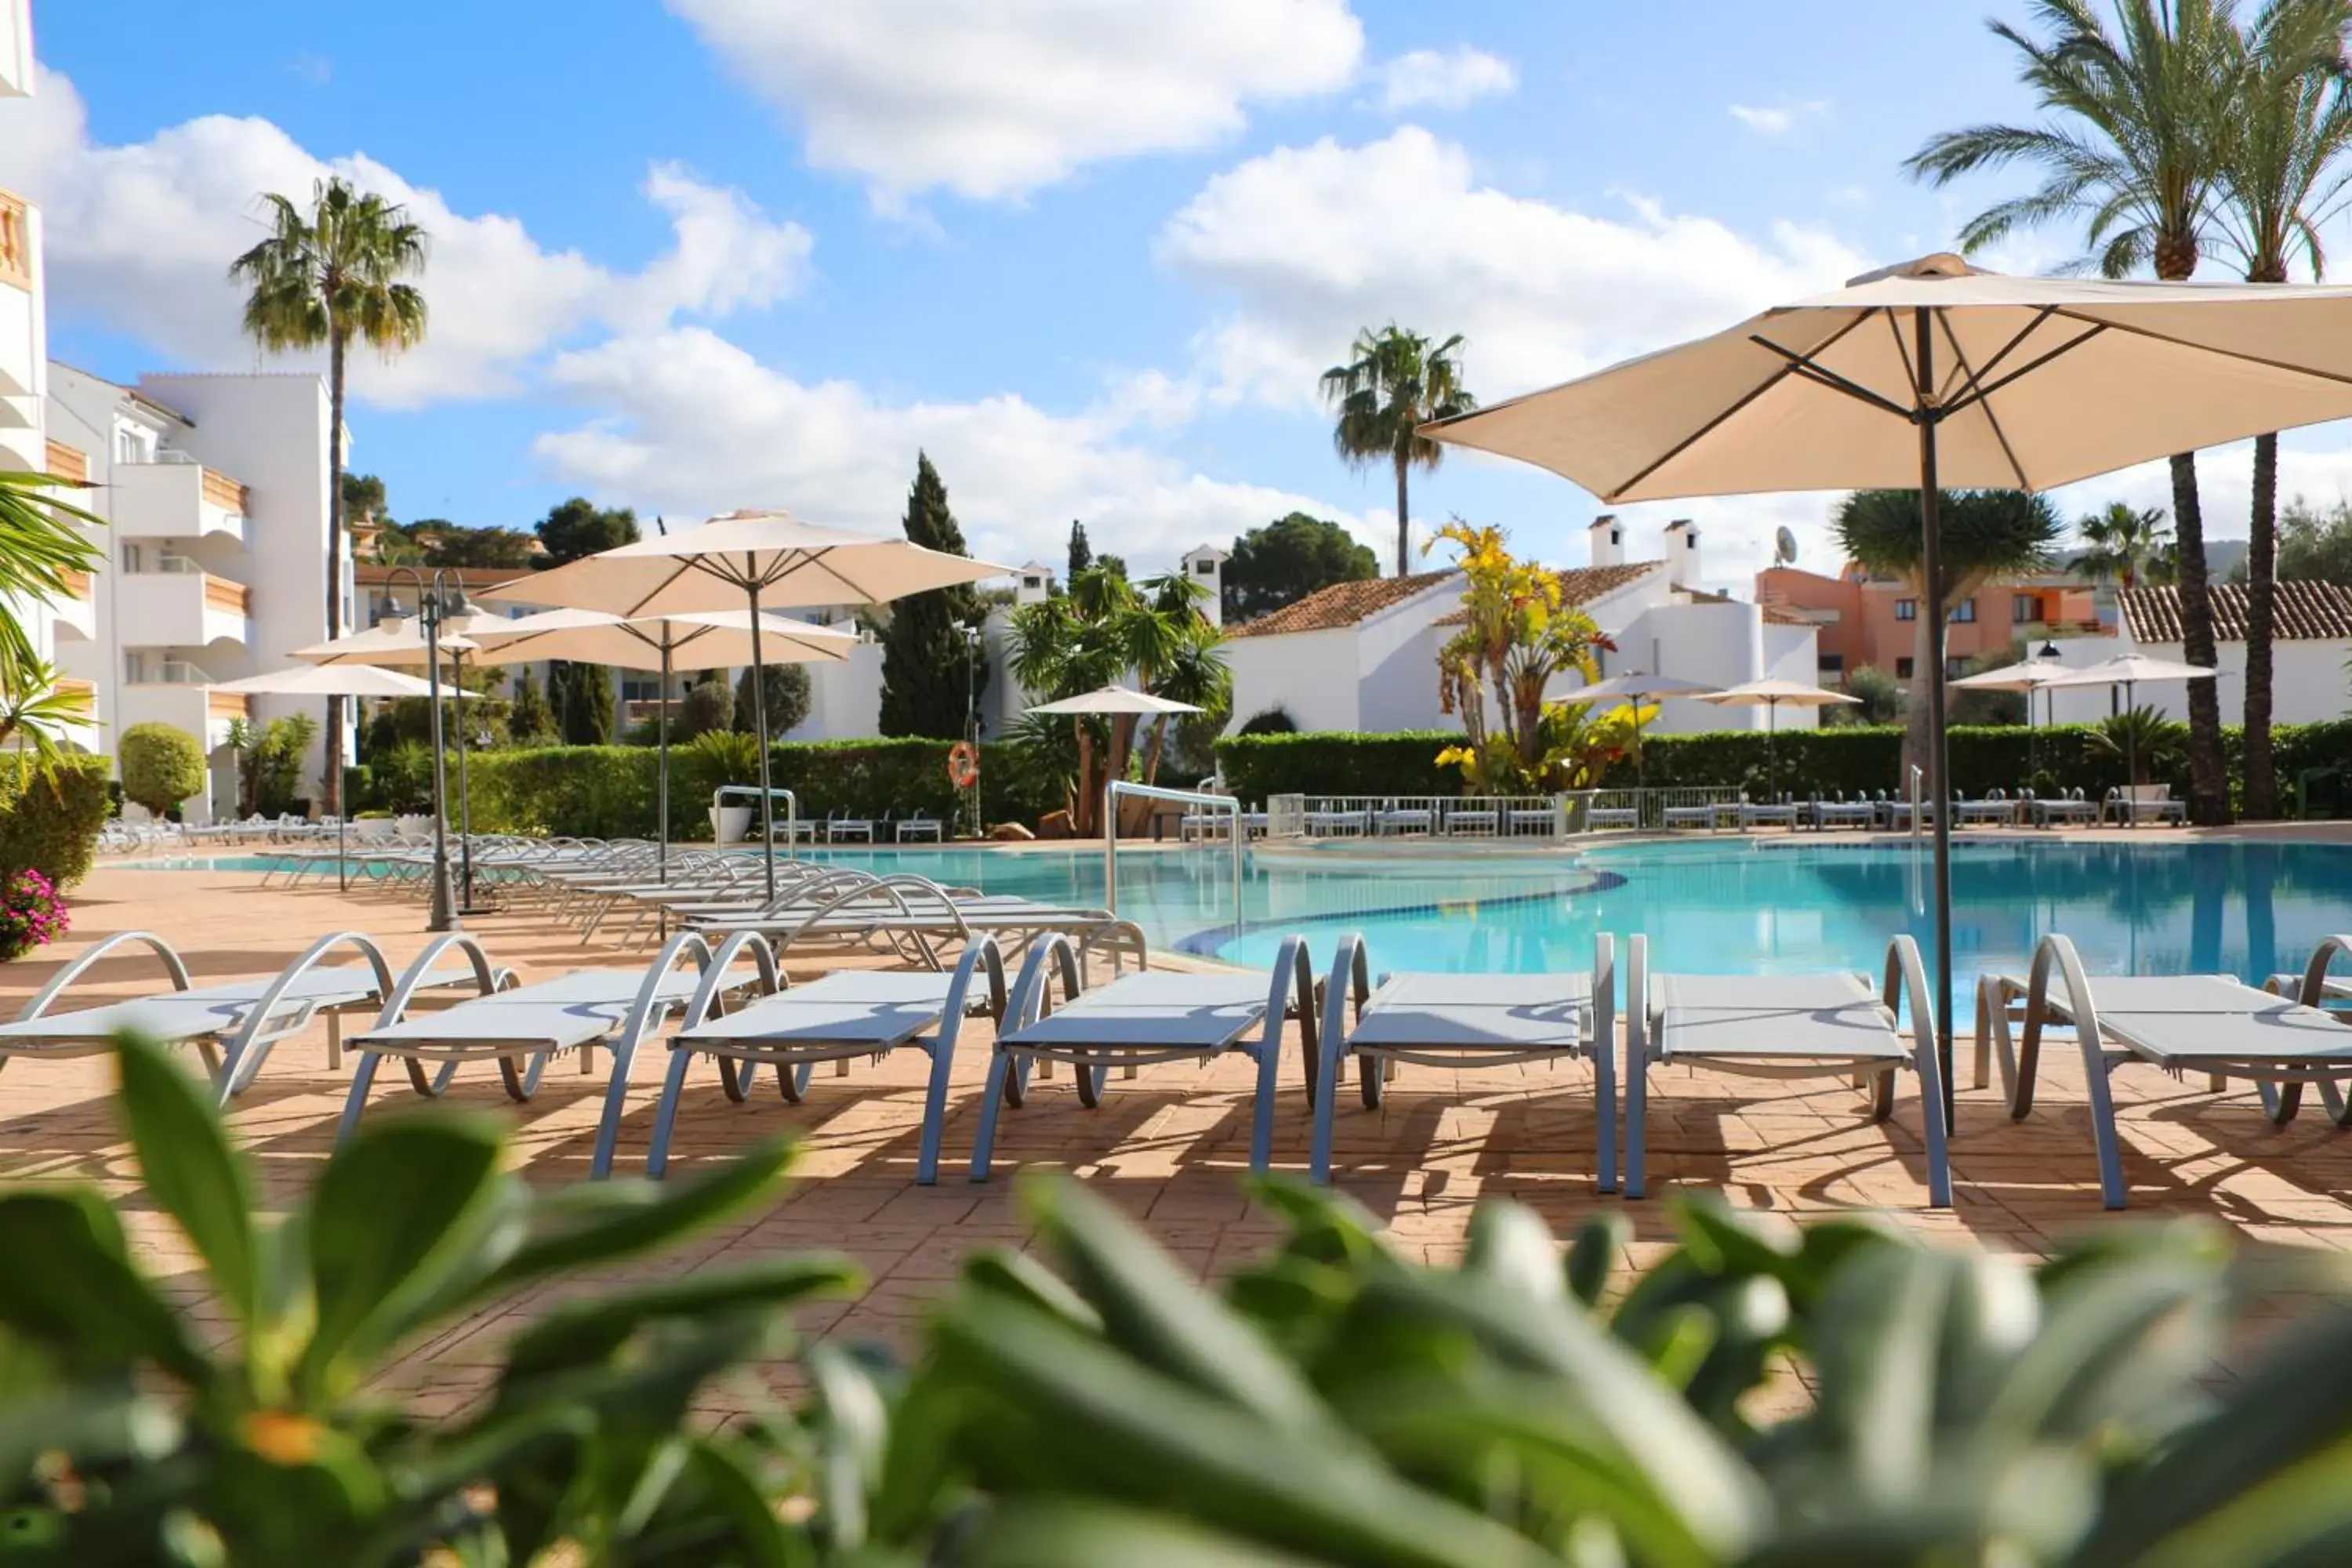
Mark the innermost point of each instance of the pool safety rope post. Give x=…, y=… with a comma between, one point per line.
x=1119, y=788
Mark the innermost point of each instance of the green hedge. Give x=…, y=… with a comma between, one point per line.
x=1853, y=760
x=608, y=792
x=1331, y=762
x=50, y=816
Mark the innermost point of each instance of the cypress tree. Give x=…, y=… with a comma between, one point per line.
x=925, y=663
x=582, y=696
x=1082, y=551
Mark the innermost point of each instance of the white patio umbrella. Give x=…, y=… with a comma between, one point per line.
x=1635, y=687
x=331, y=681
x=2029, y=676
x=1114, y=700
x=400, y=640
x=1768, y=695
x=718, y=640
x=1930, y=374
x=2127, y=670
x=744, y=559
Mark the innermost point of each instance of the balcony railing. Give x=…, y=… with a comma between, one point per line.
x=176, y=496
x=16, y=241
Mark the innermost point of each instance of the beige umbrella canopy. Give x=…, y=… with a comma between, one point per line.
x=397, y=641
x=2127, y=670
x=718, y=640
x=329, y=680
x=1768, y=695
x=745, y=560
x=1931, y=373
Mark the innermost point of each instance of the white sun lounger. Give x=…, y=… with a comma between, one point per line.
x=2215, y=1025
x=1766, y=814
x=1154, y=1015
x=1464, y=1021
x=853, y=1012
x=1784, y=1025
x=1336, y=824
x=522, y=1027
x=1709, y=816
x=1477, y=819
x=231, y=1023
x=1994, y=810
x=1845, y=813
x=909, y=829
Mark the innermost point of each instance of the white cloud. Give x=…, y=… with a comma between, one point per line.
x=1310, y=244
x=1780, y=119
x=993, y=101
x=140, y=237
x=1444, y=80
x=684, y=422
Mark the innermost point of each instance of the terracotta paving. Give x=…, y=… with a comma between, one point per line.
x=1168, y=1146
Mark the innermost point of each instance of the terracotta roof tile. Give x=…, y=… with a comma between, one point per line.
x=2305, y=612
x=1340, y=605
x=1583, y=584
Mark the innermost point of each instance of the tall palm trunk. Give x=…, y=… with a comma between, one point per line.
x=336, y=344
x=2208, y=783
x=1083, y=809
x=2261, y=606
x=1915, y=729
x=1404, y=524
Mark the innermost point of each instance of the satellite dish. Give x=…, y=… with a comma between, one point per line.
x=1784, y=549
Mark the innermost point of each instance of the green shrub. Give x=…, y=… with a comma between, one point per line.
x=608, y=792
x=252, y=1425
x=51, y=814
x=162, y=766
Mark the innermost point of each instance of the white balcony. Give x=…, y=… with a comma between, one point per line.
x=184, y=699
x=16, y=48
x=181, y=607
x=176, y=498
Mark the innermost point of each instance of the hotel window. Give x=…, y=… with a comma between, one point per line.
x=1907, y=609
x=1903, y=668
x=1833, y=663
x=2024, y=608
x=1955, y=668
x=1964, y=612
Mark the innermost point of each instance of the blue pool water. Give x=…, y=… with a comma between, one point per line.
x=1719, y=905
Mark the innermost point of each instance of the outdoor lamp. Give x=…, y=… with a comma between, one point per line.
x=2047, y=650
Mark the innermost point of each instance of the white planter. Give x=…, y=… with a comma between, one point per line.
x=372, y=829
x=730, y=824
x=413, y=826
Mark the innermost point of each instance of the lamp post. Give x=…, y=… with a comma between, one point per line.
x=971, y=647
x=439, y=600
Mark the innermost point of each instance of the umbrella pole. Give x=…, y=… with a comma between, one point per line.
x=1772, y=756
x=759, y=727
x=2131, y=763
x=1931, y=564
x=661, y=776
x=465, y=793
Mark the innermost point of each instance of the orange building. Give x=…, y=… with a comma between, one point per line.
x=1861, y=619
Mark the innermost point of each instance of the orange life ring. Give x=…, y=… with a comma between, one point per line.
x=963, y=764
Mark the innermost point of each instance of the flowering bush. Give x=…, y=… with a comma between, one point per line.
x=32, y=913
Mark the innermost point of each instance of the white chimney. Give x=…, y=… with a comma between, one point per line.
x=1205, y=564
x=1608, y=537
x=1034, y=586
x=1682, y=554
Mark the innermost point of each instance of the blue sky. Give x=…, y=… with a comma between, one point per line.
x=755, y=252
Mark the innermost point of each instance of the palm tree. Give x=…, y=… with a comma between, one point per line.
x=326, y=277
x=2281, y=181
x=1396, y=382
x=1102, y=631
x=2122, y=544
x=1987, y=535
x=2134, y=150
x=40, y=547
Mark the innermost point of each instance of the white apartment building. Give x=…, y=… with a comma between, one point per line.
x=215, y=491
x=23, y=342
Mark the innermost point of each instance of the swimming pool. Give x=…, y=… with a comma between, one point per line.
x=1716, y=905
